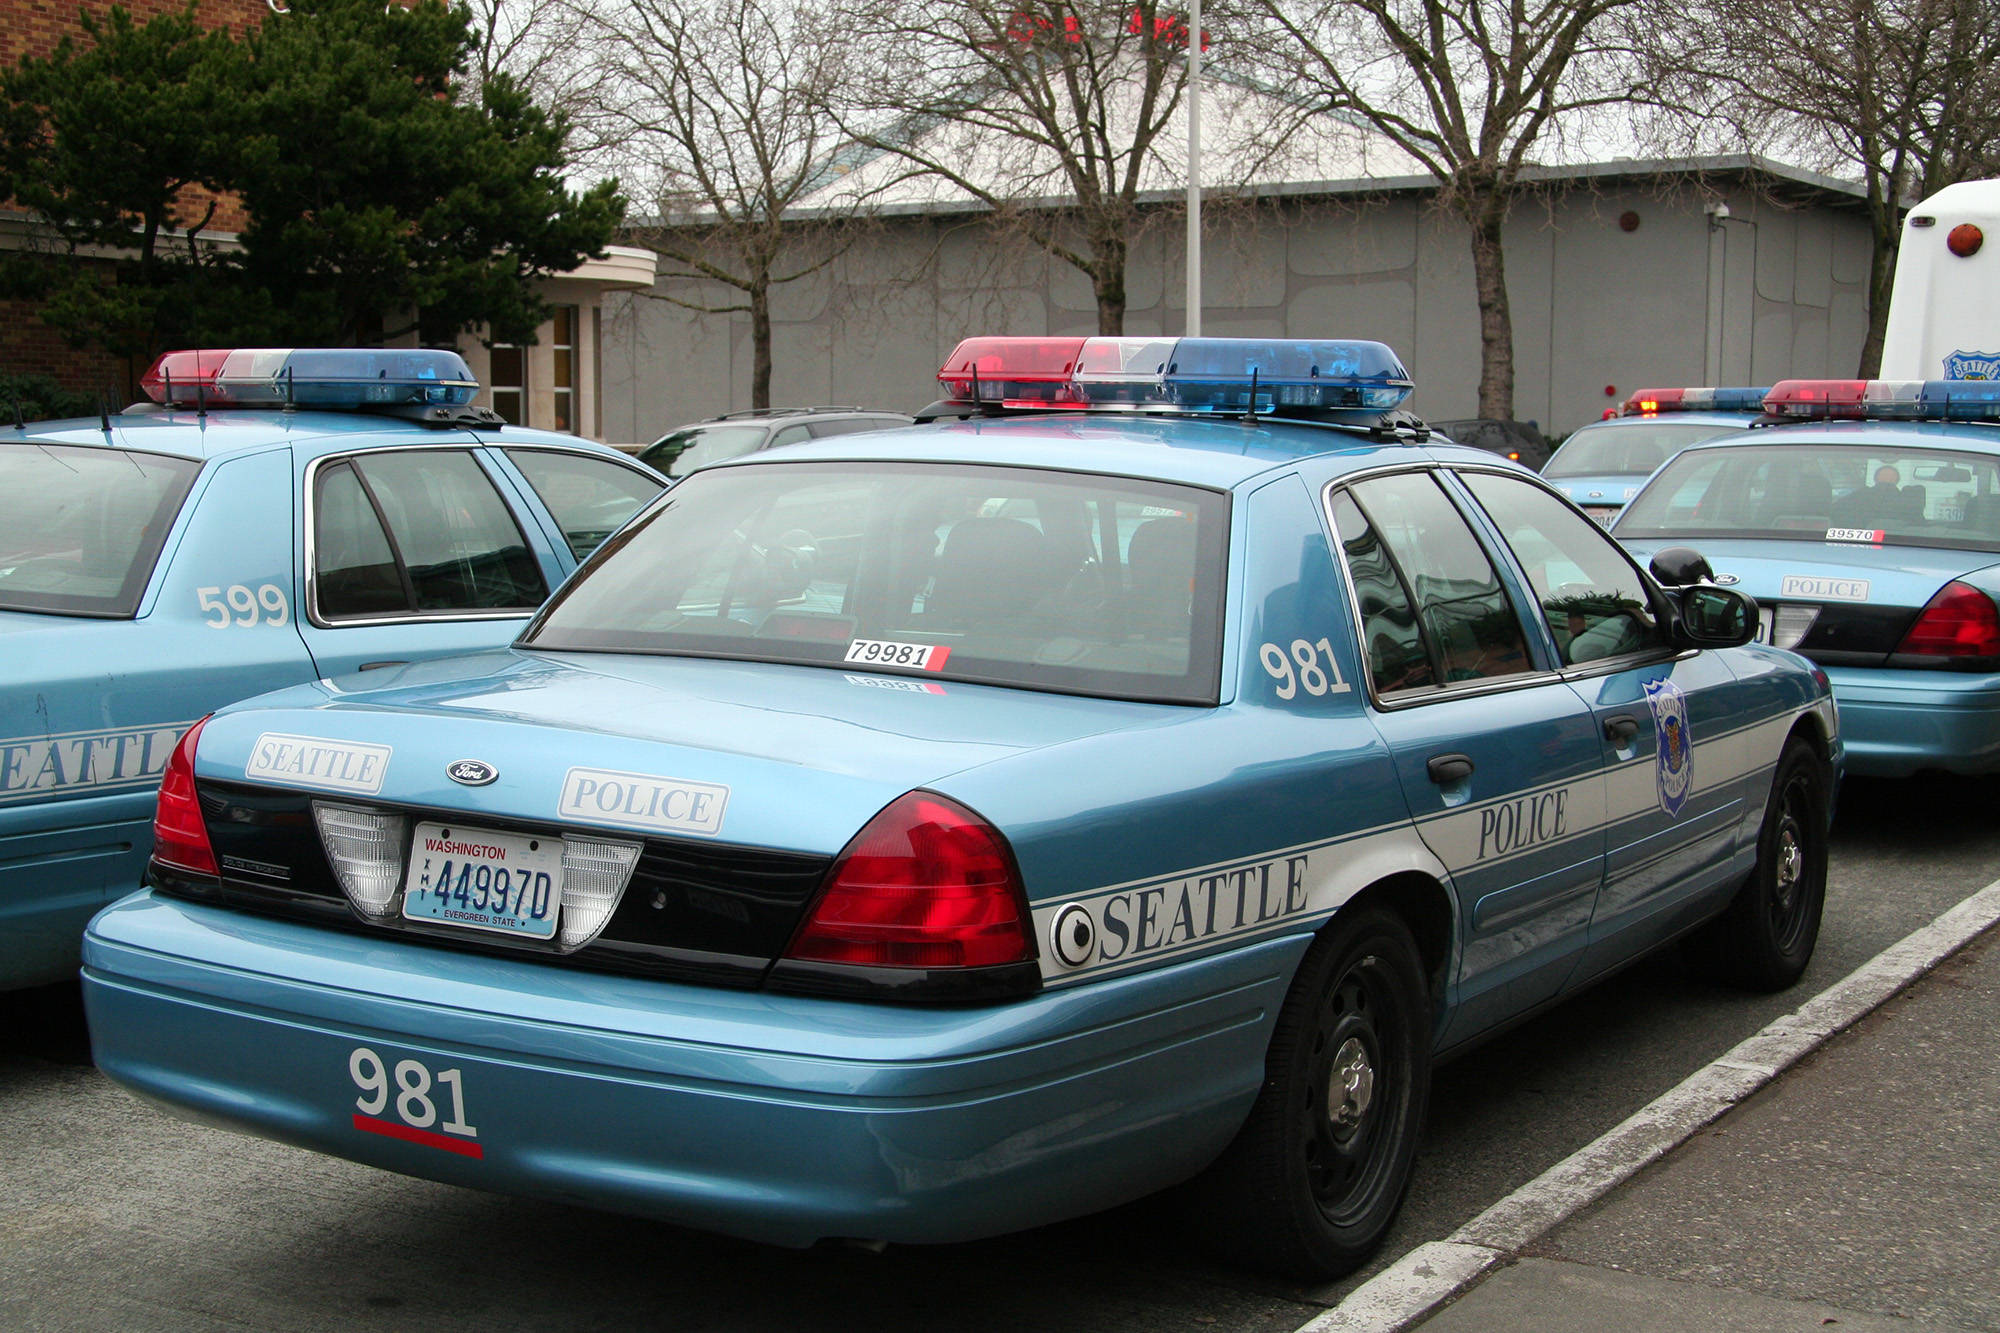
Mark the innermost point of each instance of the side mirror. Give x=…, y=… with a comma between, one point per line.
x=1679, y=566
x=1713, y=617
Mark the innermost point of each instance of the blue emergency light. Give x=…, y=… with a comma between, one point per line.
x=320, y=377
x=1208, y=375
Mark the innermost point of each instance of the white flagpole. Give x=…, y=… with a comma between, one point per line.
x=1194, y=172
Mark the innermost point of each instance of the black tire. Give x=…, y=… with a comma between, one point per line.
x=1765, y=937
x=1310, y=1184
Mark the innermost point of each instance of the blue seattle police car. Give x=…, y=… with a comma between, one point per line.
x=214, y=543
x=1602, y=465
x=1870, y=536
x=1140, y=774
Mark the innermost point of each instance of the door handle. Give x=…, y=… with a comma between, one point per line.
x=1620, y=729
x=1446, y=769
x=377, y=666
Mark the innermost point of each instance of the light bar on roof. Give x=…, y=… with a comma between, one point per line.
x=310, y=377
x=1647, y=402
x=1235, y=375
x=1885, y=400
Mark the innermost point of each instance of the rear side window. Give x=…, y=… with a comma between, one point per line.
x=81, y=528
x=1468, y=628
x=413, y=533
x=590, y=497
x=1013, y=576
x=854, y=425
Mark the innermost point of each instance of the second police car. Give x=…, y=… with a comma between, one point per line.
x=267, y=517
x=1143, y=773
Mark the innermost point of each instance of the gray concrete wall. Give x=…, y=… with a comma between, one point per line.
x=1766, y=293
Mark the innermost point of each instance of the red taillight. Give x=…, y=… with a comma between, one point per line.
x=180, y=839
x=1960, y=621
x=927, y=884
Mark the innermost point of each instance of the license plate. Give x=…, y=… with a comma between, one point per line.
x=484, y=879
x=1604, y=514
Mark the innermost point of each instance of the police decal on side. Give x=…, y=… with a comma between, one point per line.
x=1674, y=756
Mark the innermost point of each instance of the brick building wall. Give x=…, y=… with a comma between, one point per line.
x=33, y=28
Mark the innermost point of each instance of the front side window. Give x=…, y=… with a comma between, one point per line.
x=1011, y=576
x=590, y=497
x=81, y=528
x=1465, y=623
x=1889, y=493
x=417, y=532
x=1595, y=601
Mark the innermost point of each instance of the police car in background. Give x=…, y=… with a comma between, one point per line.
x=1869, y=531
x=268, y=517
x=1142, y=772
x=1601, y=465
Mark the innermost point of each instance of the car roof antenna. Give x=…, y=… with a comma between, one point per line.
x=290, y=404
x=19, y=423
x=103, y=412
x=1250, y=413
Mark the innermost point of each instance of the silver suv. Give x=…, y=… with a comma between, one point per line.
x=682, y=451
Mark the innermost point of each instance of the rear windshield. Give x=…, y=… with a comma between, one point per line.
x=80, y=527
x=1623, y=451
x=1879, y=493
x=1009, y=576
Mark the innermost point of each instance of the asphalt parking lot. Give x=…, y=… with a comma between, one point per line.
x=112, y=1215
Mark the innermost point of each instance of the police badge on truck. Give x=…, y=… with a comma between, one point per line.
x=1972, y=366
x=1673, y=767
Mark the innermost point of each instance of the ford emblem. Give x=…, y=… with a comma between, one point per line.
x=471, y=772
x=1726, y=580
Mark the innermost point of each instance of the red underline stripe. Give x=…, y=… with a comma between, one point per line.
x=391, y=1130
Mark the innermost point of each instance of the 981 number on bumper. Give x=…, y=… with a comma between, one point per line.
x=415, y=1106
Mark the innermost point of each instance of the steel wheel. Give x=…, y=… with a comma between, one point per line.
x=1315, y=1176
x=1765, y=938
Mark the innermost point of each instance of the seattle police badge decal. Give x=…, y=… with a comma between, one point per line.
x=1674, y=756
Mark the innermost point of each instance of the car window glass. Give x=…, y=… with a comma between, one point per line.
x=791, y=435
x=1885, y=493
x=1595, y=601
x=852, y=425
x=1398, y=658
x=590, y=497
x=452, y=543
x=354, y=569
x=80, y=529
x=1465, y=613
x=1625, y=450
x=1097, y=585
x=712, y=444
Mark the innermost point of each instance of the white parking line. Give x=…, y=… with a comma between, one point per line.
x=1417, y=1285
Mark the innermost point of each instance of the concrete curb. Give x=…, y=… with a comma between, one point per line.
x=1420, y=1283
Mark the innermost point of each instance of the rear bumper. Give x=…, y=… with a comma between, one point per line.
x=1896, y=723
x=777, y=1118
